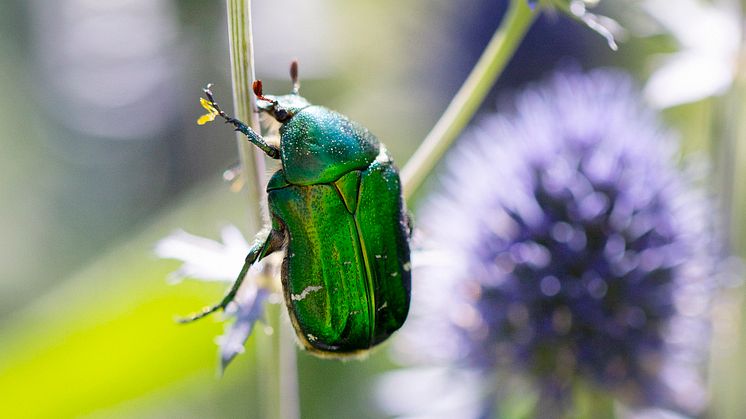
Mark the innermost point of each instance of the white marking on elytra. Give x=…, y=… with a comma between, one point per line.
x=385, y=304
x=309, y=289
x=311, y=338
x=407, y=266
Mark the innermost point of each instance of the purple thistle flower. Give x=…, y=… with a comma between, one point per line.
x=579, y=252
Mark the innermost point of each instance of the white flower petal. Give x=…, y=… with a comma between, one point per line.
x=233, y=238
x=203, y=258
x=699, y=24
x=687, y=77
x=709, y=35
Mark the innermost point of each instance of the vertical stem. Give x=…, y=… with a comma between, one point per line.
x=268, y=365
x=290, y=404
x=242, y=75
x=276, y=368
x=495, y=57
x=728, y=357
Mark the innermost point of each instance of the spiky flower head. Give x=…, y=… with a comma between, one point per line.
x=580, y=253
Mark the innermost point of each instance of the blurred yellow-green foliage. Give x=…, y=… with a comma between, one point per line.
x=101, y=157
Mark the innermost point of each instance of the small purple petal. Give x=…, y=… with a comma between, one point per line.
x=248, y=310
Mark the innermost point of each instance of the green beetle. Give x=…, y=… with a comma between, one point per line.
x=336, y=209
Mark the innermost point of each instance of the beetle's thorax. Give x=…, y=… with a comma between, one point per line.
x=318, y=145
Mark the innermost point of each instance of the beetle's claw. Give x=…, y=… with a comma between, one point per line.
x=233, y=121
x=207, y=91
x=213, y=102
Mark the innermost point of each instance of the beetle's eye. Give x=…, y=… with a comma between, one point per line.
x=281, y=114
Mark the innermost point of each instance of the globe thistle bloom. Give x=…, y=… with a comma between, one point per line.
x=568, y=249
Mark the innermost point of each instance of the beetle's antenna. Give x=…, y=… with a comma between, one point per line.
x=257, y=87
x=294, y=76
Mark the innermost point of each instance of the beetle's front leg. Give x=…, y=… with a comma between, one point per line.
x=255, y=138
x=266, y=242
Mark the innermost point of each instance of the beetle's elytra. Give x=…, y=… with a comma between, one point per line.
x=336, y=209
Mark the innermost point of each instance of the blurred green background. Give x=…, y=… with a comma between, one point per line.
x=101, y=158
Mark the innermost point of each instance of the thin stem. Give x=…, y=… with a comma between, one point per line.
x=728, y=356
x=268, y=365
x=276, y=371
x=290, y=404
x=242, y=74
x=464, y=105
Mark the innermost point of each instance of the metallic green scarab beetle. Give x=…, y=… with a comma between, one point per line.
x=336, y=209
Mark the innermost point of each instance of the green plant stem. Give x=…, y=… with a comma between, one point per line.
x=275, y=352
x=728, y=358
x=242, y=75
x=464, y=105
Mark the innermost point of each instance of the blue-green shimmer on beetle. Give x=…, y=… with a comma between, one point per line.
x=337, y=210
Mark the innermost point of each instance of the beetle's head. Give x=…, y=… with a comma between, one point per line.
x=284, y=107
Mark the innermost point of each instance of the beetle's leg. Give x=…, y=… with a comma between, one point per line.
x=271, y=242
x=255, y=138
